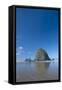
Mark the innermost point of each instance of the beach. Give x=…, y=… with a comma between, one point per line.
x=36, y=71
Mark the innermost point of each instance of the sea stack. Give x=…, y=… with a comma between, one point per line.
x=41, y=55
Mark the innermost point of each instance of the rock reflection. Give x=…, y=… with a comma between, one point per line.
x=41, y=68
x=36, y=71
x=47, y=65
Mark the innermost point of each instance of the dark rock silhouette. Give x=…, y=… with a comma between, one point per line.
x=41, y=54
x=28, y=60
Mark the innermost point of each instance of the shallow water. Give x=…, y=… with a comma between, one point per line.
x=36, y=71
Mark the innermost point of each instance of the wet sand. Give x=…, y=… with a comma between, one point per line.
x=36, y=71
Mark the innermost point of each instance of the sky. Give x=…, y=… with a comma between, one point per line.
x=36, y=28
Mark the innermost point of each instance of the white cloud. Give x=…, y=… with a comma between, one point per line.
x=21, y=48
x=17, y=53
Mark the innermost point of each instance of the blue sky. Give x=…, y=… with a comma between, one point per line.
x=36, y=28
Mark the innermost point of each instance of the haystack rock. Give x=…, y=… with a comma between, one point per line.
x=41, y=54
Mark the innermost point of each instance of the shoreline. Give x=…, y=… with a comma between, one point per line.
x=37, y=61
